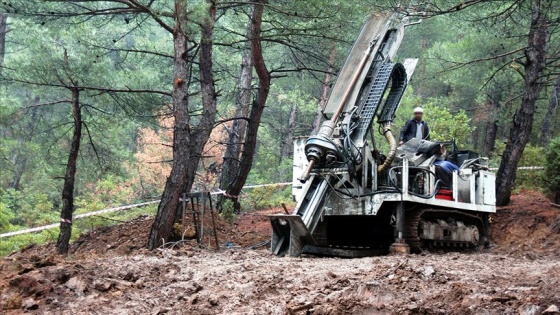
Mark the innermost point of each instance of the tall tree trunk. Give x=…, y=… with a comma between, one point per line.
x=21, y=165
x=547, y=128
x=21, y=156
x=188, y=141
x=249, y=148
x=288, y=135
x=475, y=137
x=3, y=31
x=230, y=166
x=490, y=112
x=325, y=90
x=65, y=233
x=490, y=139
x=535, y=63
x=422, y=71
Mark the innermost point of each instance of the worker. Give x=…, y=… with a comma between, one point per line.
x=444, y=172
x=486, y=231
x=415, y=128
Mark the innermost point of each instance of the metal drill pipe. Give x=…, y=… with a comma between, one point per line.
x=338, y=112
x=307, y=172
x=357, y=74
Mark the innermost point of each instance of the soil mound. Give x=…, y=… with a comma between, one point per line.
x=529, y=225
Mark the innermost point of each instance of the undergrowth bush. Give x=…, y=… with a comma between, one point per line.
x=27, y=208
x=228, y=211
x=525, y=179
x=9, y=244
x=266, y=197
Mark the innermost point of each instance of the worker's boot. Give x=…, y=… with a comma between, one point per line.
x=487, y=243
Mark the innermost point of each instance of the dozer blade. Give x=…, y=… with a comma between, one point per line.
x=289, y=235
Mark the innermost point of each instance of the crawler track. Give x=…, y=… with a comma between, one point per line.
x=412, y=221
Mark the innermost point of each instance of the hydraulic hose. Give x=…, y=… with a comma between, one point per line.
x=392, y=148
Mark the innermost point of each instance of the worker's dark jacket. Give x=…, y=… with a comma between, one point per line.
x=409, y=131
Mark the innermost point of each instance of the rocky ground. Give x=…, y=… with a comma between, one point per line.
x=109, y=272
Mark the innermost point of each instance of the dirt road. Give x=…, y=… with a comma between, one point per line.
x=254, y=282
x=110, y=272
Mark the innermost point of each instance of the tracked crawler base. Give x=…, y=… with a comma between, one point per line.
x=442, y=229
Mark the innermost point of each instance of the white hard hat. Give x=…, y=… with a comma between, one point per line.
x=418, y=110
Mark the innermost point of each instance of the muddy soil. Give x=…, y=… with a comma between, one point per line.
x=110, y=272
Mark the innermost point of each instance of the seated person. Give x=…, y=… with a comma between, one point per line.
x=444, y=172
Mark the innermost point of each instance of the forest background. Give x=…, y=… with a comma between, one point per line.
x=115, y=63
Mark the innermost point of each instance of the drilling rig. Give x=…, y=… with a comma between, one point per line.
x=352, y=199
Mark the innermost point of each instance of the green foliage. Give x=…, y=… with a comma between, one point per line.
x=28, y=208
x=107, y=192
x=552, y=169
x=274, y=163
x=532, y=156
x=266, y=197
x=17, y=242
x=112, y=218
x=444, y=124
x=263, y=173
x=6, y=217
x=495, y=159
x=228, y=211
x=10, y=244
x=472, y=64
x=531, y=179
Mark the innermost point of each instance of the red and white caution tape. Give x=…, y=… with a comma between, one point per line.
x=127, y=207
x=530, y=168
x=223, y=192
x=83, y=215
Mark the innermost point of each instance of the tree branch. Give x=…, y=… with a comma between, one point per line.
x=92, y=88
x=47, y=104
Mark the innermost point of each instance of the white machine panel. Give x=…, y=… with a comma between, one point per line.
x=486, y=188
x=299, y=166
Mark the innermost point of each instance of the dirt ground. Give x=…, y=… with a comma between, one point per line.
x=110, y=272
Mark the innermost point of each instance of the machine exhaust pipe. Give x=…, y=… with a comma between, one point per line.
x=392, y=148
